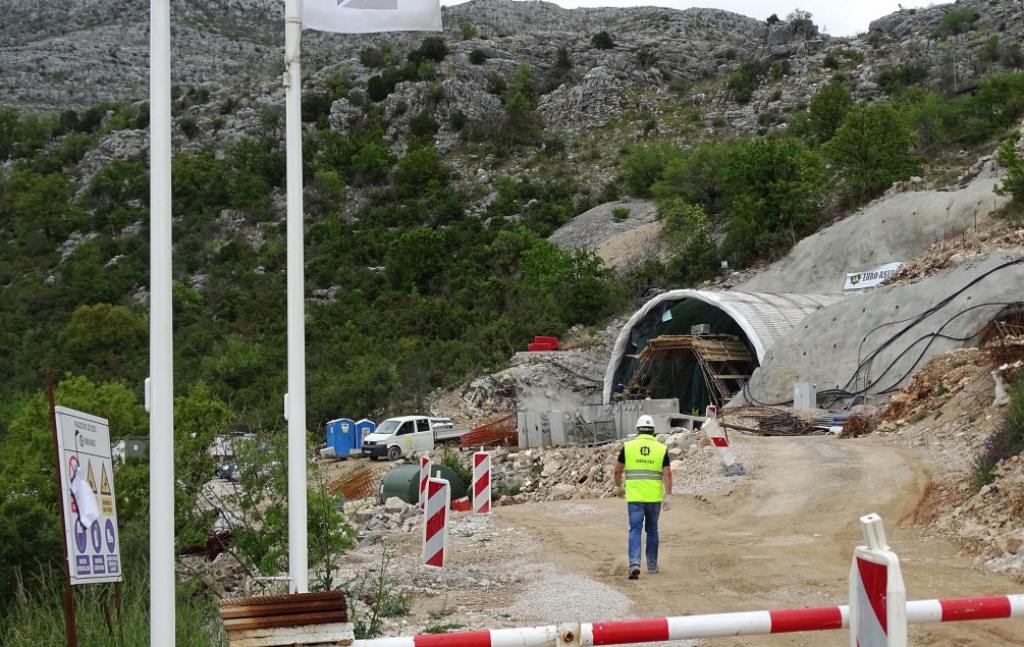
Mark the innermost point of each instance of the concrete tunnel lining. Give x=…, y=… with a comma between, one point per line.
x=763, y=318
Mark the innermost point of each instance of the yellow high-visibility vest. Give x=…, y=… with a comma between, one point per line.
x=644, y=459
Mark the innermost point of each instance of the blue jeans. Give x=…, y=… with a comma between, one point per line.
x=641, y=516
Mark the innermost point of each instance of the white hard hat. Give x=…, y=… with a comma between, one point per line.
x=645, y=422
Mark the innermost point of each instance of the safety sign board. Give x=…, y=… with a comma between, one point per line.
x=90, y=511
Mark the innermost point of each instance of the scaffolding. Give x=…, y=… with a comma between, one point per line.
x=724, y=360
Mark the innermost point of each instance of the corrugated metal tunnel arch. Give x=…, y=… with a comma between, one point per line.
x=764, y=319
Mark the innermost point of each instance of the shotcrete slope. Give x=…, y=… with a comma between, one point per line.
x=897, y=228
x=888, y=332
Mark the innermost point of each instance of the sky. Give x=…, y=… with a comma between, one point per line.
x=834, y=17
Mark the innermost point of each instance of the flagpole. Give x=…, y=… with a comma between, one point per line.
x=161, y=356
x=296, y=399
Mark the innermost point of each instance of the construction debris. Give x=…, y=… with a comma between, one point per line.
x=501, y=432
x=856, y=426
x=361, y=483
x=786, y=424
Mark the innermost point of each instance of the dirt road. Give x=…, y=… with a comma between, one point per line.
x=783, y=539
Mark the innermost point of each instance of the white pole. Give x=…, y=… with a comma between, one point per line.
x=297, y=548
x=161, y=356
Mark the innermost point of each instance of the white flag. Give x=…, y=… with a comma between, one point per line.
x=371, y=16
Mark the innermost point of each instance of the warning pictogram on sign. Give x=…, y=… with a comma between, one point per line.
x=92, y=479
x=104, y=482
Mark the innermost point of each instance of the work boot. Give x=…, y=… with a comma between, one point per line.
x=634, y=572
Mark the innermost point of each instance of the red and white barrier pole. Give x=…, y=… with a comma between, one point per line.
x=424, y=475
x=481, y=483
x=878, y=597
x=746, y=623
x=716, y=434
x=435, y=526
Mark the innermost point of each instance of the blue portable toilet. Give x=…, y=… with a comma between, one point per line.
x=341, y=435
x=364, y=428
x=332, y=431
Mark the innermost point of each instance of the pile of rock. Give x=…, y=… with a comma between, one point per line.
x=372, y=521
x=547, y=474
x=991, y=520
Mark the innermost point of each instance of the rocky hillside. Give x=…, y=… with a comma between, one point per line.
x=686, y=75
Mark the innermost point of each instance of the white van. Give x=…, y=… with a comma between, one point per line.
x=398, y=437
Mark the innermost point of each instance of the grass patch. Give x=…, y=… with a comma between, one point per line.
x=435, y=618
x=31, y=621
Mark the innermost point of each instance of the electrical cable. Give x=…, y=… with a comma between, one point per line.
x=916, y=319
x=922, y=316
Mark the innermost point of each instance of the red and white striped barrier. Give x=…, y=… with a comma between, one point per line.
x=878, y=597
x=435, y=525
x=716, y=434
x=745, y=623
x=482, y=483
x=424, y=475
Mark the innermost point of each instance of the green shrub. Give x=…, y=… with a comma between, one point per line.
x=452, y=459
x=646, y=58
x=871, y=150
x=643, y=166
x=989, y=51
x=958, y=21
x=458, y=120
x=1011, y=56
x=602, y=40
x=432, y=48
x=562, y=59
x=477, y=57
x=467, y=30
x=896, y=79
x=372, y=57
x=1005, y=443
x=774, y=194
x=496, y=83
x=743, y=81
x=828, y=108
x=427, y=71
x=1013, y=183
x=620, y=213
x=423, y=125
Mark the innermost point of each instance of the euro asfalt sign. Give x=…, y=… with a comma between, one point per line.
x=869, y=278
x=90, y=511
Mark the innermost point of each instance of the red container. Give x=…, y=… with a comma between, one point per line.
x=553, y=341
x=462, y=505
x=538, y=347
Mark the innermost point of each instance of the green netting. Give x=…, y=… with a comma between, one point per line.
x=682, y=378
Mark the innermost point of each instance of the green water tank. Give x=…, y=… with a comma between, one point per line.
x=403, y=482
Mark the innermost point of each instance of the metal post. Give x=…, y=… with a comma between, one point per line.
x=297, y=547
x=70, y=628
x=161, y=356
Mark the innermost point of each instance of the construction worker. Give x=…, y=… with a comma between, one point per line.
x=648, y=491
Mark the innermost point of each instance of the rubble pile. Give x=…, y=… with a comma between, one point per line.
x=373, y=521
x=934, y=385
x=562, y=380
x=548, y=474
x=990, y=521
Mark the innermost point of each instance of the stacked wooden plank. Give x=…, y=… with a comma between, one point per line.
x=279, y=620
